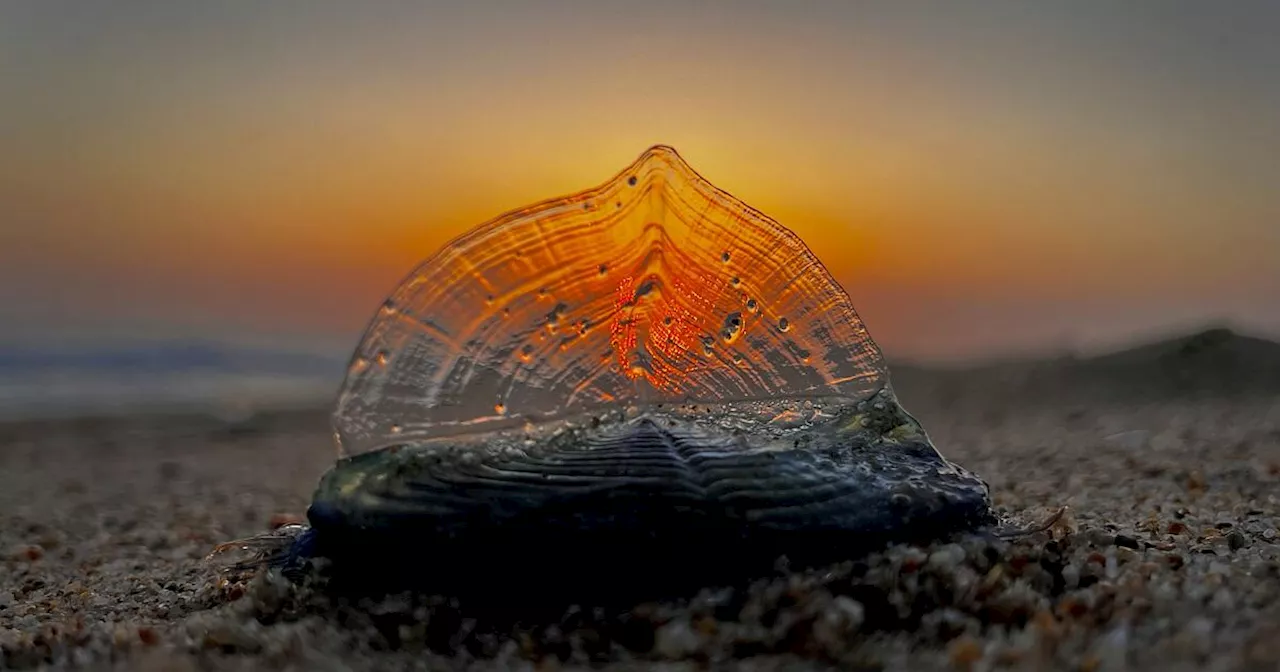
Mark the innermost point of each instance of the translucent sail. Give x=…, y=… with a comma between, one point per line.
x=653, y=287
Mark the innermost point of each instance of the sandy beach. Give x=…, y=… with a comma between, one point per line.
x=1167, y=557
x=612, y=315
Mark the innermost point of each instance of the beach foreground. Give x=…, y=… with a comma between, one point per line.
x=1167, y=557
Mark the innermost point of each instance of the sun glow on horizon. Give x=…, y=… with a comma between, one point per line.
x=935, y=167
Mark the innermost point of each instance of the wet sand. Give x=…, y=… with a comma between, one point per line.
x=1167, y=558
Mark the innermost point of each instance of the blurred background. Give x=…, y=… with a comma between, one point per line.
x=203, y=204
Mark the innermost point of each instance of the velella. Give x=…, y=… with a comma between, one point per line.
x=654, y=286
x=641, y=386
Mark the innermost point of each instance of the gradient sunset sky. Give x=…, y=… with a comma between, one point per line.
x=982, y=177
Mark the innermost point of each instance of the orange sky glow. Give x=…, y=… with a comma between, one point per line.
x=980, y=183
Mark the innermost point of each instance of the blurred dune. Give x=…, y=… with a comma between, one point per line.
x=228, y=380
x=1212, y=363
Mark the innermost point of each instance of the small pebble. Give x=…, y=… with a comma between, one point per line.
x=964, y=652
x=279, y=520
x=28, y=553
x=1126, y=541
x=676, y=639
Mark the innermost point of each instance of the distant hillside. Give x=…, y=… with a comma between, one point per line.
x=1213, y=362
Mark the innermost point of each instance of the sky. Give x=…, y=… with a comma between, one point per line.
x=983, y=177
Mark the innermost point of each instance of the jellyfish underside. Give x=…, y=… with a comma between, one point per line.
x=643, y=382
